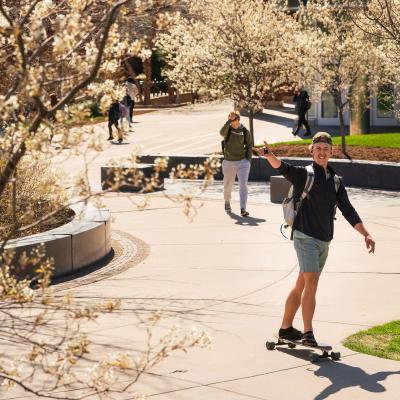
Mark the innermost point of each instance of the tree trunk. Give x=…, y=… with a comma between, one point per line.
x=251, y=124
x=359, y=110
x=147, y=82
x=131, y=71
x=342, y=132
x=337, y=94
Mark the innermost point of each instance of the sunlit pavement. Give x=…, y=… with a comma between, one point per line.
x=230, y=276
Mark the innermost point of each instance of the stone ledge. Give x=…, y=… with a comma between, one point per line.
x=108, y=176
x=82, y=242
x=357, y=173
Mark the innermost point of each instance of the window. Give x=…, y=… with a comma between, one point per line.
x=328, y=106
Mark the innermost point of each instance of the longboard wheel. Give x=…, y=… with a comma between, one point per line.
x=291, y=345
x=314, y=357
x=270, y=345
x=335, y=355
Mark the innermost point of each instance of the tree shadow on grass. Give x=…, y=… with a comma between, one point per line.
x=343, y=376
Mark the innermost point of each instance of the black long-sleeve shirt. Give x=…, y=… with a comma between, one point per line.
x=113, y=112
x=316, y=214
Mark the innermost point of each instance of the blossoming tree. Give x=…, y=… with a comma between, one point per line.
x=379, y=21
x=233, y=49
x=336, y=54
x=69, y=49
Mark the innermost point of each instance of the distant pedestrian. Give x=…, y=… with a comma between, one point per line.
x=113, y=118
x=124, y=113
x=53, y=99
x=132, y=91
x=302, y=105
x=127, y=102
x=237, y=148
x=52, y=118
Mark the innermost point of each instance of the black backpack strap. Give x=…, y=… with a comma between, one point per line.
x=306, y=190
x=245, y=131
x=228, y=135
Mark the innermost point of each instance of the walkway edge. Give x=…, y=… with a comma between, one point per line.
x=357, y=173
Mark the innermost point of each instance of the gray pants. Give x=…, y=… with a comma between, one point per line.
x=241, y=169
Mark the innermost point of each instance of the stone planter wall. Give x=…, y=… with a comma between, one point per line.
x=80, y=243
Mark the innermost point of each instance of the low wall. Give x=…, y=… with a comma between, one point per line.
x=358, y=173
x=109, y=174
x=73, y=246
x=165, y=100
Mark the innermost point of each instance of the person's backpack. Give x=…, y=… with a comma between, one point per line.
x=308, y=104
x=291, y=207
x=225, y=141
x=123, y=110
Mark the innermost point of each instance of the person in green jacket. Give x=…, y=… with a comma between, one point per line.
x=237, y=145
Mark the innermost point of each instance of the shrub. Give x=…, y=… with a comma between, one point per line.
x=37, y=194
x=95, y=110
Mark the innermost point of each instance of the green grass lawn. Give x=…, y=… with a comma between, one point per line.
x=391, y=140
x=381, y=341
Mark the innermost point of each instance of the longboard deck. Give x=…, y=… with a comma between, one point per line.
x=320, y=346
x=314, y=357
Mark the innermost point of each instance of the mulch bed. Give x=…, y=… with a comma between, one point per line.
x=355, y=152
x=62, y=217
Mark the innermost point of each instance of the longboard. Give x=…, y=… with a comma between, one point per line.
x=325, y=349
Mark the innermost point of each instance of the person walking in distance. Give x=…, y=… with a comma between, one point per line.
x=124, y=113
x=313, y=229
x=302, y=105
x=113, y=117
x=237, y=147
x=131, y=91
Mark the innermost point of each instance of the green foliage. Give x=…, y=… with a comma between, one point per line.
x=381, y=341
x=389, y=140
x=95, y=110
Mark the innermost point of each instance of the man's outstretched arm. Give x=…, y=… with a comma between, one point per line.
x=369, y=241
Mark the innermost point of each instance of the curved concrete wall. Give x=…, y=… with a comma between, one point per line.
x=370, y=174
x=78, y=244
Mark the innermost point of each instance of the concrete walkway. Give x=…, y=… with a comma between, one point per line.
x=231, y=275
x=192, y=130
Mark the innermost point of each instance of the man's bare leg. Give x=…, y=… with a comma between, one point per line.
x=293, y=302
x=308, y=299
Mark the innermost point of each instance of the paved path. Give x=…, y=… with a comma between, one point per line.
x=231, y=275
x=192, y=130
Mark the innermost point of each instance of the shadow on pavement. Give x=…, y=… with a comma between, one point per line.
x=86, y=270
x=275, y=119
x=342, y=376
x=246, y=221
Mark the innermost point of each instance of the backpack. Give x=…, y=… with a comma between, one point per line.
x=123, y=110
x=308, y=104
x=292, y=207
x=225, y=141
